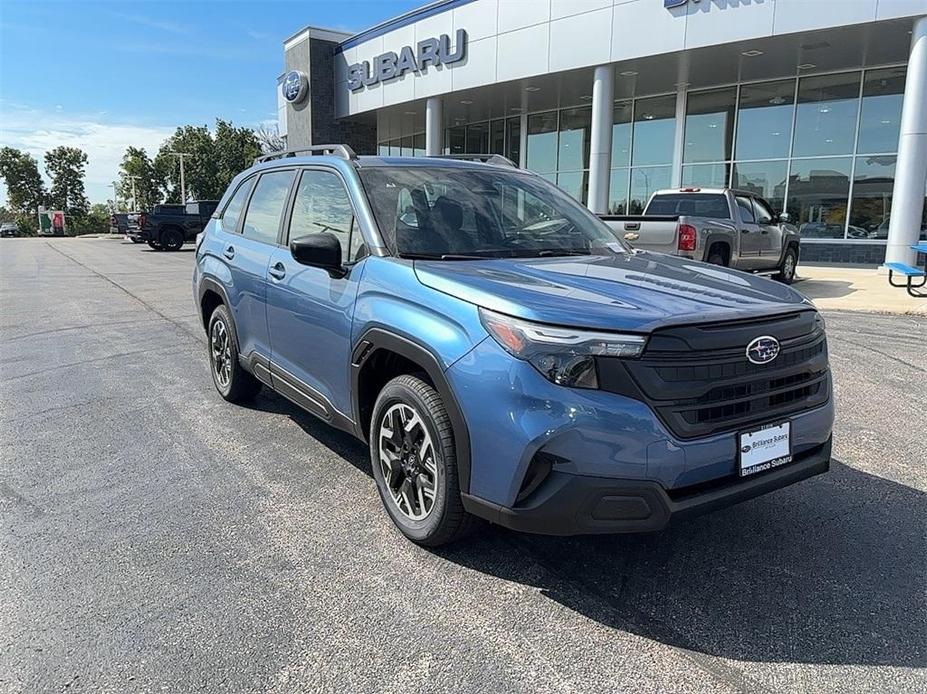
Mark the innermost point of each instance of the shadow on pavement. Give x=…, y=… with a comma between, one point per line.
x=825, y=289
x=828, y=571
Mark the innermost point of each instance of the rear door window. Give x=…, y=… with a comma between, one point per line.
x=262, y=220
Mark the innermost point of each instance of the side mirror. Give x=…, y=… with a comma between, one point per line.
x=321, y=250
x=785, y=217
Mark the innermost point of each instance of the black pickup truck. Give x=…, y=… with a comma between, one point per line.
x=168, y=227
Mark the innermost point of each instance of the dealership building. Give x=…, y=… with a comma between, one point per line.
x=820, y=106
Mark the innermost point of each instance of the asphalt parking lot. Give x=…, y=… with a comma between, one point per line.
x=153, y=537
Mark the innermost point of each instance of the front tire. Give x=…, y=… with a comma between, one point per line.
x=786, y=273
x=414, y=463
x=153, y=245
x=231, y=380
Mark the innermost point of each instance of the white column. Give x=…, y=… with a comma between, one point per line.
x=434, y=126
x=680, y=140
x=600, y=147
x=911, y=169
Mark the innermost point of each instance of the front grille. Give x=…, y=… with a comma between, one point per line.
x=699, y=382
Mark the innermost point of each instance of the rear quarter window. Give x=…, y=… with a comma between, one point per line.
x=232, y=212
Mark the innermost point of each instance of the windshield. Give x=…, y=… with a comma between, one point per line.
x=459, y=213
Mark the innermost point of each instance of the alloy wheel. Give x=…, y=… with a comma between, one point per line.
x=788, y=267
x=221, y=354
x=407, y=461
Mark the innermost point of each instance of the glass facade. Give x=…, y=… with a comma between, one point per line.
x=821, y=147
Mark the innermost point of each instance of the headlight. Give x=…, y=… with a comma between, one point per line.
x=565, y=356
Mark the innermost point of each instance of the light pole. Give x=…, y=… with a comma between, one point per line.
x=134, y=198
x=115, y=187
x=183, y=187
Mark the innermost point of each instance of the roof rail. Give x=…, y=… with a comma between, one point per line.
x=497, y=159
x=342, y=151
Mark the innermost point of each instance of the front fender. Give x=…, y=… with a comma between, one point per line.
x=396, y=312
x=392, y=298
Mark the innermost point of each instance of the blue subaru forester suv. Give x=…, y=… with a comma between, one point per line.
x=503, y=353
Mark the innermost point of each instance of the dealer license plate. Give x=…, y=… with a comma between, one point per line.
x=765, y=448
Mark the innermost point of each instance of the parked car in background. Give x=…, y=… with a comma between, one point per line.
x=720, y=226
x=881, y=231
x=119, y=223
x=502, y=352
x=9, y=229
x=169, y=227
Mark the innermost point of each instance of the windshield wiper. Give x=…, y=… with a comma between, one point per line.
x=561, y=251
x=441, y=256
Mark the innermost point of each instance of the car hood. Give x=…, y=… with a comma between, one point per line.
x=635, y=291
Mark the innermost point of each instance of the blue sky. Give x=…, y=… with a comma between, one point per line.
x=104, y=75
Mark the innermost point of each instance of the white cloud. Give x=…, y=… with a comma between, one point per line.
x=37, y=131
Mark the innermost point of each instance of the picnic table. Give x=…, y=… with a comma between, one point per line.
x=909, y=272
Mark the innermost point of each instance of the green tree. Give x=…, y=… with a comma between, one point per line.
x=200, y=168
x=95, y=221
x=25, y=190
x=213, y=161
x=136, y=162
x=236, y=149
x=67, y=166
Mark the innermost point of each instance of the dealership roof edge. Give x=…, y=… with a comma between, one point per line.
x=316, y=33
x=432, y=8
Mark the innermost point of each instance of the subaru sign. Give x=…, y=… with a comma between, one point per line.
x=295, y=86
x=390, y=65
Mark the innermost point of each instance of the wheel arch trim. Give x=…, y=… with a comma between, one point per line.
x=210, y=284
x=723, y=239
x=375, y=339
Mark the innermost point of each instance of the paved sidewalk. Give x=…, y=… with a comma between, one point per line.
x=848, y=288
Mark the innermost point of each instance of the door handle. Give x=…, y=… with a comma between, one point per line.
x=277, y=271
x=229, y=252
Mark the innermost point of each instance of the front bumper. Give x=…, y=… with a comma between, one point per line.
x=569, y=504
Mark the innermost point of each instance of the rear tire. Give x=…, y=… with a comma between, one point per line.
x=786, y=273
x=716, y=257
x=414, y=463
x=231, y=380
x=172, y=240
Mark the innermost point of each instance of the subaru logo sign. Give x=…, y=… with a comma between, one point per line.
x=295, y=86
x=763, y=350
x=391, y=65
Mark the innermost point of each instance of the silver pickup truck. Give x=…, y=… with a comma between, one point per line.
x=721, y=226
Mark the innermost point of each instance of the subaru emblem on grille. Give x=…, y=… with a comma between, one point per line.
x=763, y=350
